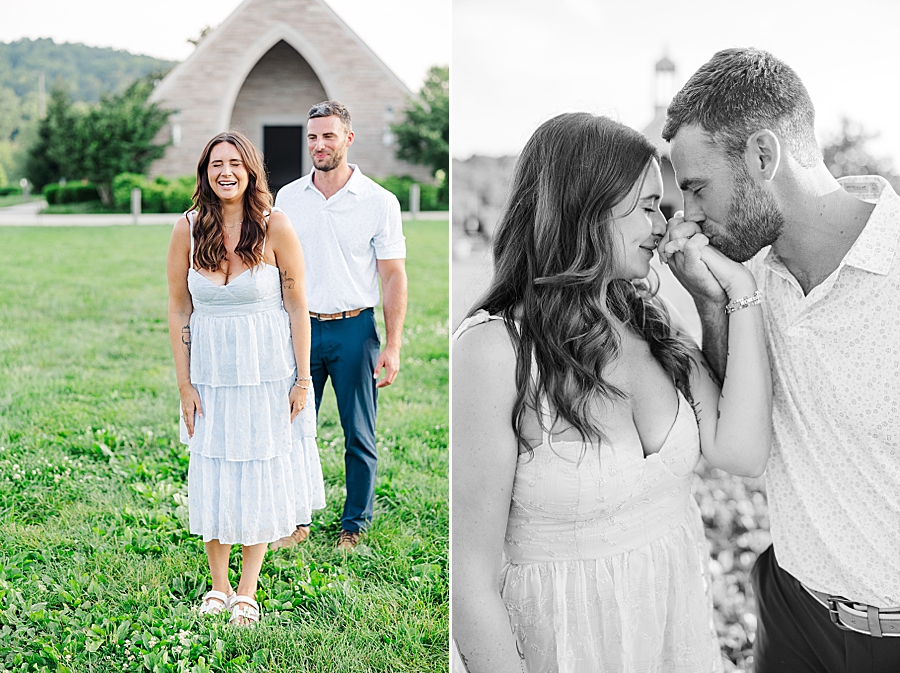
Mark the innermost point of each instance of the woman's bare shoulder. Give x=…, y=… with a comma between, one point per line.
x=485, y=347
x=182, y=226
x=279, y=223
x=484, y=333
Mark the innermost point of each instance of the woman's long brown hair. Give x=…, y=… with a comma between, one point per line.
x=554, y=250
x=209, y=234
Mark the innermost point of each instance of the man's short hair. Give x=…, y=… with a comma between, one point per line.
x=741, y=91
x=331, y=108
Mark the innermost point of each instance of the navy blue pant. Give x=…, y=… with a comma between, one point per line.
x=346, y=351
x=795, y=633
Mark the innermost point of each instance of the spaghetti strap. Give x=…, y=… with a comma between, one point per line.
x=189, y=214
x=266, y=214
x=545, y=420
x=477, y=318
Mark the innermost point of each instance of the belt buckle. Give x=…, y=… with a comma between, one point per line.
x=875, y=627
x=834, y=614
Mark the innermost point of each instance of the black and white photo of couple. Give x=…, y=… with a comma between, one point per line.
x=716, y=294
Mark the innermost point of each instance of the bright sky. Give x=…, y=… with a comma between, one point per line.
x=514, y=69
x=410, y=36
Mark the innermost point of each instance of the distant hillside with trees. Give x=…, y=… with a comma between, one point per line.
x=84, y=73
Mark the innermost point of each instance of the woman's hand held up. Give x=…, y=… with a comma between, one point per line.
x=734, y=277
x=680, y=249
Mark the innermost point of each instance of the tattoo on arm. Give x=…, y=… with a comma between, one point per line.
x=462, y=656
x=286, y=282
x=186, y=339
x=710, y=371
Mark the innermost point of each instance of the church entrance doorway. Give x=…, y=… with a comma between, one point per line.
x=283, y=147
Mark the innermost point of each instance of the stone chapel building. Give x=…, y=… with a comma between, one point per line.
x=665, y=91
x=261, y=70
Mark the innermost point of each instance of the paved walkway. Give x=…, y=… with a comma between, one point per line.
x=27, y=214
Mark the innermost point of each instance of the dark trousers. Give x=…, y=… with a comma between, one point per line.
x=795, y=633
x=346, y=351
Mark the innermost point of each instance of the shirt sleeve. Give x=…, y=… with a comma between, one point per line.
x=389, y=241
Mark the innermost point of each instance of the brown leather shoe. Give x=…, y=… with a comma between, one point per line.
x=299, y=535
x=347, y=540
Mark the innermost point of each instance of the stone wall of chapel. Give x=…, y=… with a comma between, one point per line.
x=356, y=78
x=279, y=90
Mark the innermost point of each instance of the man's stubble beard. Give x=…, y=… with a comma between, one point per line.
x=753, y=221
x=333, y=162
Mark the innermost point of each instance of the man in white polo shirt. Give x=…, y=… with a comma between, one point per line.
x=745, y=155
x=352, y=235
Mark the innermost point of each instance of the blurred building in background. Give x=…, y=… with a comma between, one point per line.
x=260, y=72
x=665, y=90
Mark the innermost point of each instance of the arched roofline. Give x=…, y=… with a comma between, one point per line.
x=258, y=49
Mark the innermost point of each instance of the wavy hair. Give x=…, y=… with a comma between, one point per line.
x=554, y=251
x=209, y=234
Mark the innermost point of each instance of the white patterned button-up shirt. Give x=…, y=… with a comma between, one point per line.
x=833, y=479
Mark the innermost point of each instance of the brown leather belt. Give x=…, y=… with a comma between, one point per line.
x=336, y=316
x=858, y=617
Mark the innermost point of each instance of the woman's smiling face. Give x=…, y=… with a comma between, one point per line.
x=639, y=230
x=227, y=174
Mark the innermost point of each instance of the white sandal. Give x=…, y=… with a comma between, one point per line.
x=244, y=608
x=215, y=603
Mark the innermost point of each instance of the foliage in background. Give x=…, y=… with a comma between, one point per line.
x=55, y=133
x=164, y=195
x=111, y=137
x=847, y=153
x=85, y=72
x=88, y=72
x=71, y=192
x=424, y=137
x=736, y=521
x=97, y=570
x=118, y=135
x=431, y=197
x=159, y=195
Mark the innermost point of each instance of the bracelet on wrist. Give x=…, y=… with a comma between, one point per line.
x=743, y=302
x=297, y=384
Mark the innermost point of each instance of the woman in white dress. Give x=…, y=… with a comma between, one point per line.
x=579, y=415
x=240, y=333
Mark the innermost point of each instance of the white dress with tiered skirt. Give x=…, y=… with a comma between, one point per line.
x=605, y=559
x=253, y=475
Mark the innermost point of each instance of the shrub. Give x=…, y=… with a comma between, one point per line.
x=431, y=197
x=10, y=190
x=122, y=186
x=71, y=192
x=160, y=195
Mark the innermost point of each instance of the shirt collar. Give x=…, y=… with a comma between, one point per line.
x=354, y=184
x=875, y=248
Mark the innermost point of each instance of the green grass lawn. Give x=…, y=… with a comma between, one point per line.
x=97, y=571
